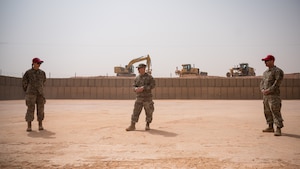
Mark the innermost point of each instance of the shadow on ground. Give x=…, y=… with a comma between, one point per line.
x=42, y=134
x=291, y=135
x=162, y=133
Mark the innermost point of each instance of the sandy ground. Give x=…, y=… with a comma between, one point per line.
x=184, y=134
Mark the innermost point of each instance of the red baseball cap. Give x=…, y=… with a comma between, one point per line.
x=37, y=60
x=269, y=57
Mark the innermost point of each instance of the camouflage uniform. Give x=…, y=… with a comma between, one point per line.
x=271, y=81
x=143, y=99
x=33, y=85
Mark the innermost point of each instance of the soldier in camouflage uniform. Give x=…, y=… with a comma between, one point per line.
x=269, y=87
x=33, y=84
x=143, y=84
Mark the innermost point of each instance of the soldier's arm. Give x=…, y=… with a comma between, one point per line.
x=278, y=80
x=151, y=84
x=134, y=85
x=25, y=82
x=261, y=85
x=44, y=81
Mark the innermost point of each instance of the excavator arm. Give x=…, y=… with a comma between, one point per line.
x=128, y=69
x=148, y=61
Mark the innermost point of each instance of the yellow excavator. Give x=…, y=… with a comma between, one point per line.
x=128, y=70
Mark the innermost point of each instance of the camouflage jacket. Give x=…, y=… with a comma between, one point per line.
x=271, y=80
x=147, y=81
x=34, y=81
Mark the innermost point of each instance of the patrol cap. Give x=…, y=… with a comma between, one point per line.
x=141, y=65
x=37, y=60
x=269, y=57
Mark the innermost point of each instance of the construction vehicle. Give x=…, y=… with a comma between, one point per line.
x=241, y=70
x=128, y=70
x=188, y=70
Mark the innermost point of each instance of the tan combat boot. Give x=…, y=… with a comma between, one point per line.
x=277, y=132
x=41, y=125
x=269, y=129
x=29, y=126
x=147, y=126
x=131, y=127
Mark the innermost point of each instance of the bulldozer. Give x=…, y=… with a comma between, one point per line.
x=242, y=69
x=128, y=70
x=188, y=70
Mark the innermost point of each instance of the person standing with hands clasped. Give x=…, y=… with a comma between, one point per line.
x=142, y=86
x=269, y=87
x=33, y=85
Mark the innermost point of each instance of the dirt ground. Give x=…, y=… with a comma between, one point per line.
x=184, y=134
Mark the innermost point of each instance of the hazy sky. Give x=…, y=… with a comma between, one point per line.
x=90, y=37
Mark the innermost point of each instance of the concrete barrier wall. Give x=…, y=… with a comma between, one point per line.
x=166, y=88
x=11, y=88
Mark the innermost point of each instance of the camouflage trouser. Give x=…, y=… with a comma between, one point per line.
x=272, y=107
x=148, y=105
x=31, y=101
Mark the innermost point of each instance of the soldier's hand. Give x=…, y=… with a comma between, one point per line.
x=139, y=89
x=265, y=92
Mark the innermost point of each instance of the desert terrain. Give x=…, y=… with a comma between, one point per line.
x=90, y=134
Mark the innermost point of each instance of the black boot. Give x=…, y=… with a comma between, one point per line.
x=131, y=127
x=147, y=126
x=269, y=129
x=41, y=125
x=29, y=126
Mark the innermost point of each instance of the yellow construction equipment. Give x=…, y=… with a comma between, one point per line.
x=241, y=70
x=128, y=70
x=188, y=70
